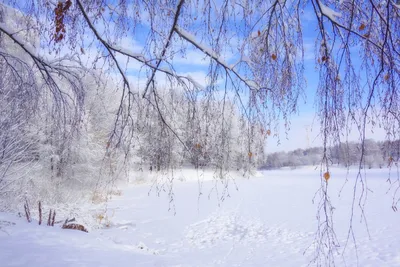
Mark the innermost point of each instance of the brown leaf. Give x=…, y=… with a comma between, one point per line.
x=327, y=175
x=362, y=27
x=273, y=56
x=386, y=77
x=259, y=33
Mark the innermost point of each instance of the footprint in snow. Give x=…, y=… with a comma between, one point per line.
x=225, y=227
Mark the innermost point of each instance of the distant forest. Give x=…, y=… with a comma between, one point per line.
x=377, y=154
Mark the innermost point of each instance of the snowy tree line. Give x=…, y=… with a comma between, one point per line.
x=214, y=137
x=377, y=154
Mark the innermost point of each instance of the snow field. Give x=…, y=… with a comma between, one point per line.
x=269, y=221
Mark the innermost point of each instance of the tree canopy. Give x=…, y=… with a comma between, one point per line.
x=356, y=52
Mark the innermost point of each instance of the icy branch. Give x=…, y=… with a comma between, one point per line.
x=211, y=53
x=106, y=45
x=147, y=62
x=46, y=67
x=328, y=12
x=18, y=40
x=178, y=10
x=136, y=56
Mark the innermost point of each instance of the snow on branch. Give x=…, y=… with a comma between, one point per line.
x=211, y=53
x=328, y=12
x=29, y=49
x=136, y=56
x=337, y=24
x=147, y=62
x=46, y=67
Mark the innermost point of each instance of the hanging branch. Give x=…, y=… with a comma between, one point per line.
x=171, y=32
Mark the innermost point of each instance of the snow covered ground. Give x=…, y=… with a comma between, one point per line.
x=269, y=221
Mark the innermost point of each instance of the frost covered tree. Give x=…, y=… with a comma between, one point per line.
x=373, y=154
x=35, y=85
x=356, y=56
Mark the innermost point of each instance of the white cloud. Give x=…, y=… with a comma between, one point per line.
x=309, y=50
x=308, y=16
x=192, y=57
x=130, y=44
